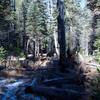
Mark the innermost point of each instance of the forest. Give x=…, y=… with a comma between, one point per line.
x=49, y=49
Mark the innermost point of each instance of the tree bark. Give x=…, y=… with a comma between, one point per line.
x=37, y=48
x=24, y=28
x=56, y=44
x=61, y=33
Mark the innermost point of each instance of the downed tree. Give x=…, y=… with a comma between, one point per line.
x=55, y=93
x=93, y=65
x=60, y=81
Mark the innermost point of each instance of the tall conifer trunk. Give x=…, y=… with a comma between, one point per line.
x=61, y=33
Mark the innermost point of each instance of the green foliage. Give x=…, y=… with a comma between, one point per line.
x=97, y=46
x=37, y=19
x=96, y=87
x=17, y=50
x=3, y=53
x=4, y=12
x=12, y=17
x=97, y=43
x=97, y=56
x=98, y=70
x=22, y=54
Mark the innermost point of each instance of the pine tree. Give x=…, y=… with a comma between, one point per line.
x=4, y=12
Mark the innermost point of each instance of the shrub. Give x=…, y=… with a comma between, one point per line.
x=98, y=57
x=96, y=87
x=17, y=51
x=3, y=53
x=97, y=46
x=22, y=54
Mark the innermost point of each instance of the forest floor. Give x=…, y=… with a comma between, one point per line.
x=45, y=76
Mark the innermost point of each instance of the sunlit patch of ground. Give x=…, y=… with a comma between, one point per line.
x=29, y=70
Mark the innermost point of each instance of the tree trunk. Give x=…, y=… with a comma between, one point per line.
x=61, y=33
x=56, y=44
x=30, y=49
x=37, y=49
x=24, y=29
x=40, y=47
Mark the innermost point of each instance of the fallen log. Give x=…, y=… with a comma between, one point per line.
x=60, y=81
x=55, y=93
x=68, y=72
x=64, y=83
x=78, y=88
x=95, y=65
x=55, y=81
